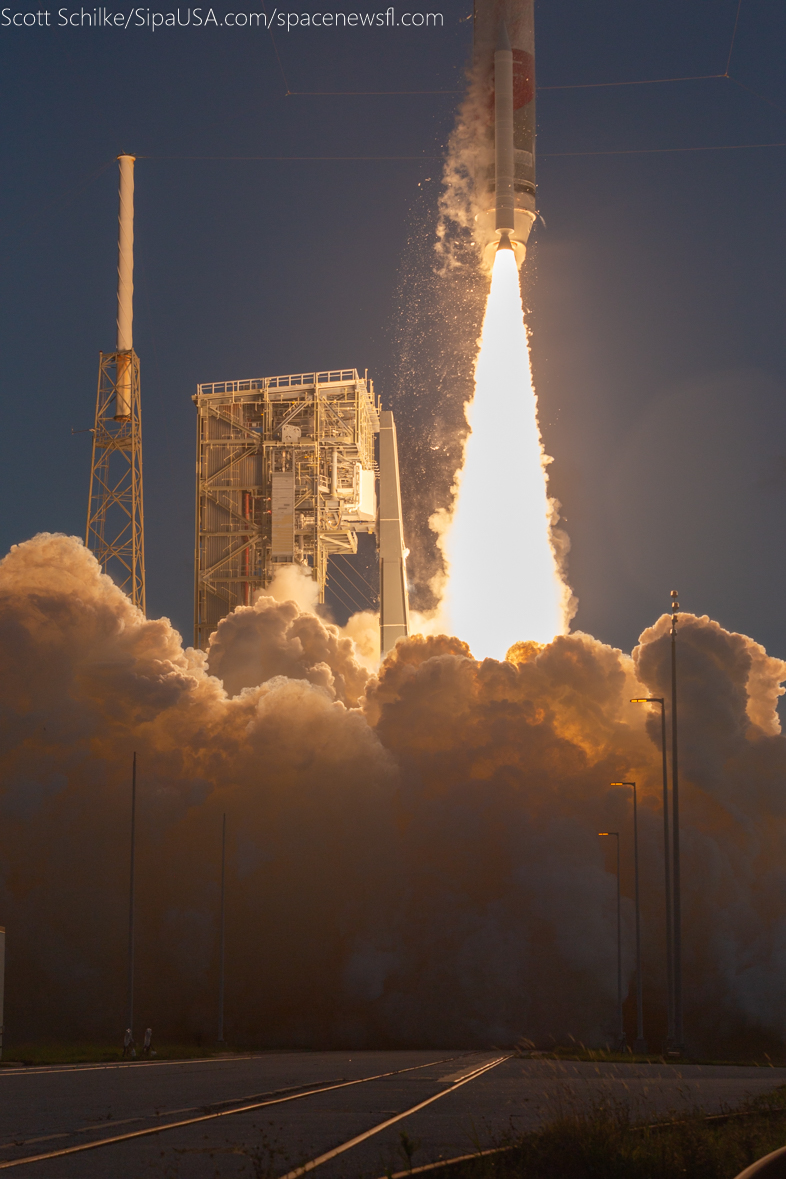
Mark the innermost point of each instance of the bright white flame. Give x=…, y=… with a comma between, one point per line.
x=503, y=581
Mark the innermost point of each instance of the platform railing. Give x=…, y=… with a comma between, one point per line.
x=289, y=381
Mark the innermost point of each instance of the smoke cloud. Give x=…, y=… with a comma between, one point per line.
x=412, y=855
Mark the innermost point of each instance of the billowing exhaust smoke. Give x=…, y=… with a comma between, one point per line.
x=412, y=856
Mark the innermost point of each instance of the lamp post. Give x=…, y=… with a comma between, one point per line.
x=131, y=903
x=679, y=1045
x=667, y=866
x=221, y=938
x=620, y=1020
x=640, y=1045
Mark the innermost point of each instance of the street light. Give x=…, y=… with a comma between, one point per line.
x=222, y=932
x=667, y=865
x=621, y=1023
x=640, y=1045
x=131, y=915
x=675, y=828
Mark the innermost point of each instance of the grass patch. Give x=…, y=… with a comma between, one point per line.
x=605, y=1143
x=87, y=1052
x=579, y=1051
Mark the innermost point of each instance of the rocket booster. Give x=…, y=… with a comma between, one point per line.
x=504, y=152
x=505, y=60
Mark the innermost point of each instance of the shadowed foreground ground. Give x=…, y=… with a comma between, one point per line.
x=569, y=1115
x=604, y=1143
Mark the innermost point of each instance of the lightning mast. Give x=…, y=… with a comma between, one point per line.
x=115, y=515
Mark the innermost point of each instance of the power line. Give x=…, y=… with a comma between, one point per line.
x=352, y=591
x=356, y=589
x=361, y=93
x=275, y=48
x=647, y=151
x=284, y=159
x=567, y=86
x=364, y=93
x=641, y=82
x=342, y=596
x=352, y=569
x=757, y=95
x=733, y=36
x=349, y=590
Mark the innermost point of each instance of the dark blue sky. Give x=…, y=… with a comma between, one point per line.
x=657, y=287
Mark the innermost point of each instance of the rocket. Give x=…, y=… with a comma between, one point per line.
x=505, y=64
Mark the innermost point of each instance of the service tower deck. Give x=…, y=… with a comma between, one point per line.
x=286, y=474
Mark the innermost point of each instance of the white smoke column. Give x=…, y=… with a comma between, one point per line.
x=504, y=582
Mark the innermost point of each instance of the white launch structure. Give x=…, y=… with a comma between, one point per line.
x=393, y=595
x=115, y=514
x=286, y=475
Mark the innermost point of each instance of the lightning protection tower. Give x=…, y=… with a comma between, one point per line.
x=115, y=515
x=286, y=475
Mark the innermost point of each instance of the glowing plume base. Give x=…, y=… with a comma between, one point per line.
x=503, y=581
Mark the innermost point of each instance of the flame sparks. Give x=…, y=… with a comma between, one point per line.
x=504, y=583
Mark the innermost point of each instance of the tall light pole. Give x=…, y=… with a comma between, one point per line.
x=131, y=902
x=640, y=1045
x=679, y=1044
x=667, y=866
x=221, y=938
x=620, y=1021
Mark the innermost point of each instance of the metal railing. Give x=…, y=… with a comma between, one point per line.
x=289, y=381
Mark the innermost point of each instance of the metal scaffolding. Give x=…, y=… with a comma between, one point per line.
x=115, y=516
x=115, y=512
x=286, y=475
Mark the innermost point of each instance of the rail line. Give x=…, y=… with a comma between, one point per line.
x=337, y=1150
x=247, y=1106
x=171, y=1113
x=38, y=1070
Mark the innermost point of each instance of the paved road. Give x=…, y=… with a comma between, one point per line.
x=50, y=1109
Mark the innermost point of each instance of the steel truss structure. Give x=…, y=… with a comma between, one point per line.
x=115, y=515
x=286, y=474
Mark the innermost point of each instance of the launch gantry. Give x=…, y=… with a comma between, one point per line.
x=115, y=513
x=286, y=475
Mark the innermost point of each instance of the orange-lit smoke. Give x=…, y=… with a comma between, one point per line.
x=503, y=581
x=412, y=857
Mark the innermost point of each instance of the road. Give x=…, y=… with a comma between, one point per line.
x=472, y=1101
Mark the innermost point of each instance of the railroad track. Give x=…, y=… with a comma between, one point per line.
x=179, y=1119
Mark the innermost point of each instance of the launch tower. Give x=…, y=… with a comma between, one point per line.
x=115, y=516
x=286, y=475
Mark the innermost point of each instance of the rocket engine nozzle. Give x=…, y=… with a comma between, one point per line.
x=504, y=242
x=505, y=54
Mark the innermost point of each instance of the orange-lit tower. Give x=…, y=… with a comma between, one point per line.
x=287, y=475
x=115, y=514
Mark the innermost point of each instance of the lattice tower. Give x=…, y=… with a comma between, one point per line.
x=115, y=513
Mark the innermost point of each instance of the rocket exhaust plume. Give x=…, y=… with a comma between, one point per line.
x=501, y=522
x=502, y=515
